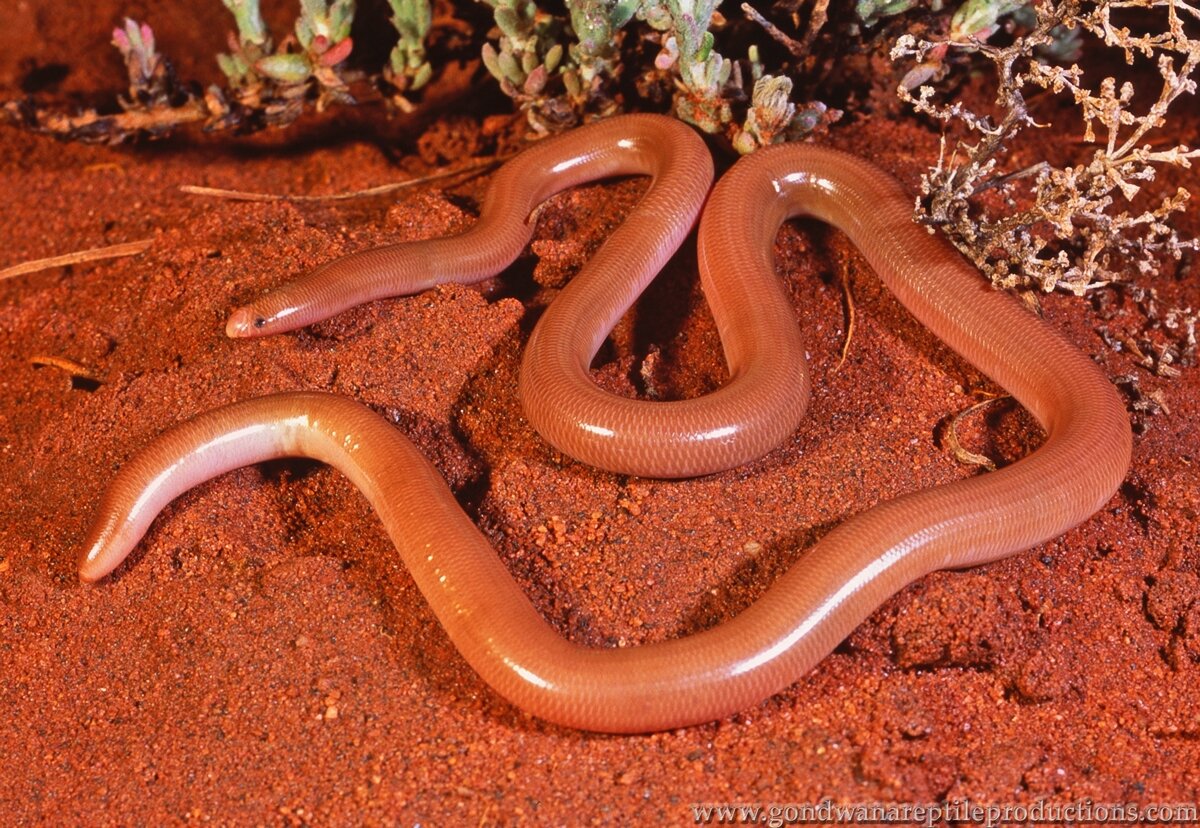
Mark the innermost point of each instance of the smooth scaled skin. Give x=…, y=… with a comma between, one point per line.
x=767, y=393
x=834, y=586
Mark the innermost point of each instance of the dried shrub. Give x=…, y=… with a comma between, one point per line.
x=1075, y=227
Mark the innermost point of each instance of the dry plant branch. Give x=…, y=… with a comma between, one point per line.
x=1074, y=228
x=93, y=254
x=382, y=189
x=960, y=453
x=74, y=369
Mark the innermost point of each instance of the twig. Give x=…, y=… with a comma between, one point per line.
x=961, y=454
x=820, y=14
x=93, y=254
x=242, y=195
x=1004, y=180
x=848, y=294
x=81, y=375
x=797, y=48
x=92, y=126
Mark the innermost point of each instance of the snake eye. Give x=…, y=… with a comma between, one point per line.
x=259, y=321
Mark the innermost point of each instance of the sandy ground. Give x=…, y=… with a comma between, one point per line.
x=264, y=657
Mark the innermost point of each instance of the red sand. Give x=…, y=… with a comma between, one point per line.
x=264, y=657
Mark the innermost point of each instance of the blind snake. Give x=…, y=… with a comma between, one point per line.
x=833, y=587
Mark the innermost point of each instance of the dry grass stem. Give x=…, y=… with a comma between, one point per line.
x=848, y=296
x=956, y=448
x=74, y=369
x=382, y=189
x=93, y=254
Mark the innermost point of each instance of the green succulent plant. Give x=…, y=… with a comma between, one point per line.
x=408, y=70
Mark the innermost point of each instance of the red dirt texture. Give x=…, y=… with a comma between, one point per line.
x=264, y=658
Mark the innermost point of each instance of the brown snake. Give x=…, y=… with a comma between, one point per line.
x=835, y=585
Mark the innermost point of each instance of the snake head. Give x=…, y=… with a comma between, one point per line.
x=245, y=323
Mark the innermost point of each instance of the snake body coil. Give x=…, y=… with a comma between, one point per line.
x=834, y=586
